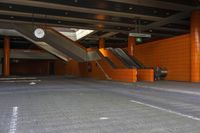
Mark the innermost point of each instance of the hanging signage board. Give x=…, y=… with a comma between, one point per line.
x=140, y=35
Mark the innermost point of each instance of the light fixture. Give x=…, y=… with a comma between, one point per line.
x=139, y=40
x=100, y=26
x=167, y=13
x=155, y=11
x=39, y=33
x=130, y=8
x=100, y=17
x=145, y=22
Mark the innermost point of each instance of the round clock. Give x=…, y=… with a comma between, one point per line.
x=39, y=33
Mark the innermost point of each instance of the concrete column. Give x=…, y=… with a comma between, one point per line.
x=131, y=45
x=195, y=46
x=6, y=68
x=101, y=43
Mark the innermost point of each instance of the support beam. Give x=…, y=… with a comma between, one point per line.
x=6, y=69
x=195, y=46
x=101, y=43
x=131, y=45
x=109, y=34
x=156, y=3
x=91, y=21
x=80, y=9
x=168, y=20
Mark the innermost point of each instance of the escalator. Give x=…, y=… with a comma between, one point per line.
x=132, y=62
x=125, y=58
x=112, y=72
x=54, y=42
x=110, y=62
x=124, y=61
x=135, y=60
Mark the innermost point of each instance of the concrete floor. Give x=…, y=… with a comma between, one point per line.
x=72, y=105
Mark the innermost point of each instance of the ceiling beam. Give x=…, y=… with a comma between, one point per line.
x=168, y=20
x=186, y=11
x=157, y=4
x=109, y=34
x=59, y=18
x=4, y=24
x=70, y=19
x=182, y=22
x=79, y=9
x=111, y=38
x=171, y=29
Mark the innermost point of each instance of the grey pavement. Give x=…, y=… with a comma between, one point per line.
x=77, y=105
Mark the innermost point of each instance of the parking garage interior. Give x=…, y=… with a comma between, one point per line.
x=109, y=66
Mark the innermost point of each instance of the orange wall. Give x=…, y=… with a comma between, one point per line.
x=70, y=68
x=142, y=74
x=113, y=58
x=92, y=70
x=78, y=69
x=95, y=72
x=60, y=68
x=145, y=75
x=124, y=75
x=173, y=53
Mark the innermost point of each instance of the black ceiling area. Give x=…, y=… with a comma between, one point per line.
x=111, y=19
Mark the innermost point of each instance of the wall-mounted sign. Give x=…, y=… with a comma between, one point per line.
x=139, y=40
x=140, y=35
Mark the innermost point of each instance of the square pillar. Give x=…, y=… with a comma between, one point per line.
x=131, y=45
x=195, y=46
x=6, y=66
x=101, y=43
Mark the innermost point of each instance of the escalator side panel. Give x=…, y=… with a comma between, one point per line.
x=127, y=58
x=120, y=57
x=57, y=42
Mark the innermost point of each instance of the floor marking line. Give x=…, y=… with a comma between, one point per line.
x=20, y=81
x=166, y=110
x=170, y=90
x=18, y=78
x=103, y=118
x=13, y=122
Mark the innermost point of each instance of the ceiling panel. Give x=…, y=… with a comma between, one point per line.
x=177, y=26
x=116, y=6
x=184, y=2
x=105, y=16
x=63, y=13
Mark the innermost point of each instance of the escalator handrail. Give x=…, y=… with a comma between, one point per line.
x=76, y=43
x=120, y=57
x=127, y=58
x=135, y=60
